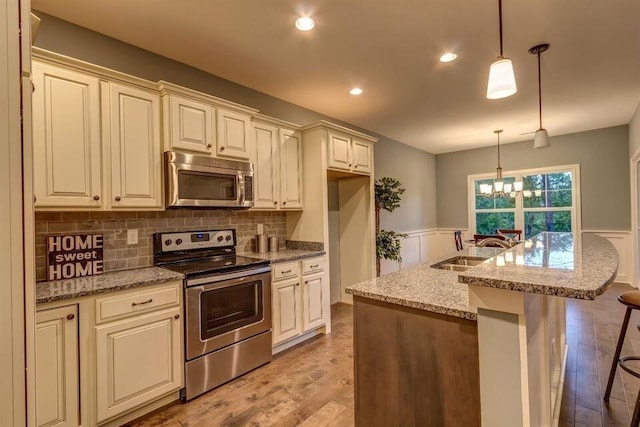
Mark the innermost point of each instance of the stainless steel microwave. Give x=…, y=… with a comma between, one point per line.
x=206, y=182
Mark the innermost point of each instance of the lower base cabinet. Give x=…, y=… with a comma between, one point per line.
x=137, y=360
x=57, y=371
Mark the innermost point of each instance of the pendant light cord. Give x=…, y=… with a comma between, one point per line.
x=500, y=15
x=539, y=90
x=498, y=150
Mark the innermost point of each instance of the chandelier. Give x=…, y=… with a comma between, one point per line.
x=499, y=187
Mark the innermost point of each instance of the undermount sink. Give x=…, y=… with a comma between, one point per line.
x=458, y=263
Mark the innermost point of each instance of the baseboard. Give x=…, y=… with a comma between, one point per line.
x=297, y=340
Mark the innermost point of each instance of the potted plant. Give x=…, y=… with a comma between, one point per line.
x=388, y=192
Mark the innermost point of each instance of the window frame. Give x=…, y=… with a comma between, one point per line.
x=519, y=210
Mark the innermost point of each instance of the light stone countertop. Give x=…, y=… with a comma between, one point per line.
x=559, y=264
x=426, y=288
x=284, y=255
x=107, y=282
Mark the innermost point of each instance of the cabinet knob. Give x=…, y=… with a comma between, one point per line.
x=177, y=316
x=349, y=164
x=355, y=167
x=96, y=197
x=284, y=203
x=275, y=202
x=70, y=316
x=209, y=145
x=221, y=148
x=298, y=284
x=118, y=198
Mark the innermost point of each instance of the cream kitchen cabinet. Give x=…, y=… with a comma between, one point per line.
x=203, y=124
x=234, y=133
x=67, y=145
x=349, y=154
x=96, y=139
x=137, y=360
x=277, y=160
x=57, y=371
x=188, y=124
x=300, y=296
x=132, y=128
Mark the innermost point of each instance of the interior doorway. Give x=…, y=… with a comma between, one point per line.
x=635, y=216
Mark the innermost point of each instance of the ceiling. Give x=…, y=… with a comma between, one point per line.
x=590, y=75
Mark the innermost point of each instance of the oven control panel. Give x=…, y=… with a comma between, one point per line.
x=181, y=241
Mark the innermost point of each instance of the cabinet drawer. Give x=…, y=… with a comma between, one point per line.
x=312, y=265
x=137, y=302
x=283, y=271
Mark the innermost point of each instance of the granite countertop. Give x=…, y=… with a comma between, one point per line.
x=284, y=255
x=426, y=288
x=107, y=282
x=559, y=264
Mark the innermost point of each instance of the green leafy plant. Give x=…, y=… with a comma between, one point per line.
x=388, y=197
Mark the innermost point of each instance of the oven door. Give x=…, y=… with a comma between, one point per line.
x=226, y=309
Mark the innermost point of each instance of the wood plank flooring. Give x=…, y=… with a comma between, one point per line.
x=312, y=384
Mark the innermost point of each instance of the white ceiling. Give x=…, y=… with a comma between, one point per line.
x=590, y=75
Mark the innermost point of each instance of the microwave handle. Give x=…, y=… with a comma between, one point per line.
x=240, y=185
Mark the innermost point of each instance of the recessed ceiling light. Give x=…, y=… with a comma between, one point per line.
x=305, y=23
x=448, y=57
x=355, y=91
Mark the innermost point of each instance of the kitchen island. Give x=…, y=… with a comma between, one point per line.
x=485, y=346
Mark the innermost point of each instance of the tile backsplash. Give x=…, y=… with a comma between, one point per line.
x=114, y=225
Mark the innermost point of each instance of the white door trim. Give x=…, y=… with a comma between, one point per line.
x=634, y=165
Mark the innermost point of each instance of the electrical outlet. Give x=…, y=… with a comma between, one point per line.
x=260, y=228
x=132, y=237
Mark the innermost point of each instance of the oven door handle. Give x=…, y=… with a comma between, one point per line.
x=223, y=277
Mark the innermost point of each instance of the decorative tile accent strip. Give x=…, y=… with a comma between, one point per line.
x=305, y=246
x=114, y=225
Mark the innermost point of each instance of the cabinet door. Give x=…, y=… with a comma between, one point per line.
x=192, y=124
x=233, y=134
x=66, y=138
x=362, y=156
x=290, y=169
x=265, y=173
x=339, y=152
x=137, y=360
x=57, y=367
x=134, y=133
x=287, y=322
x=312, y=307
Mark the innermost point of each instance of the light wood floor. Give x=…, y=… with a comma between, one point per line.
x=312, y=384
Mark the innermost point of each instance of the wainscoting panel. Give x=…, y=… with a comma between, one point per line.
x=418, y=247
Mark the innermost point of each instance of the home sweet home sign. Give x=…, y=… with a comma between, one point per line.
x=74, y=255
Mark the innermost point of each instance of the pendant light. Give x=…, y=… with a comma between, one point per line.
x=499, y=188
x=502, y=80
x=542, y=136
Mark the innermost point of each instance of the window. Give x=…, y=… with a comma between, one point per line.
x=549, y=202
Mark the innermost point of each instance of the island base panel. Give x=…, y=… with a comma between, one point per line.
x=414, y=368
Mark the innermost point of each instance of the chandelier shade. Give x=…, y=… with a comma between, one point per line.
x=499, y=187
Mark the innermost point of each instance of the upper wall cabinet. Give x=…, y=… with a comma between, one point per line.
x=203, y=124
x=133, y=132
x=189, y=124
x=96, y=139
x=277, y=162
x=66, y=138
x=349, y=154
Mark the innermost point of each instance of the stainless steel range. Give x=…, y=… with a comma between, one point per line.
x=227, y=301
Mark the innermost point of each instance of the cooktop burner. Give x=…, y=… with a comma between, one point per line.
x=195, y=253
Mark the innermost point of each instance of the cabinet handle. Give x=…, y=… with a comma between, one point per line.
x=286, y=272
x=314, y=266
x=209, y=145
x=133, y=304
x=177, y=316
x=96, y=197
x=70, y=316
x=221, y=148
x=118, y=198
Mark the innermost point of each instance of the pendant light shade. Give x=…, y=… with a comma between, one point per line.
x=502, y=80
x=542, y=136
x=542, y=139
